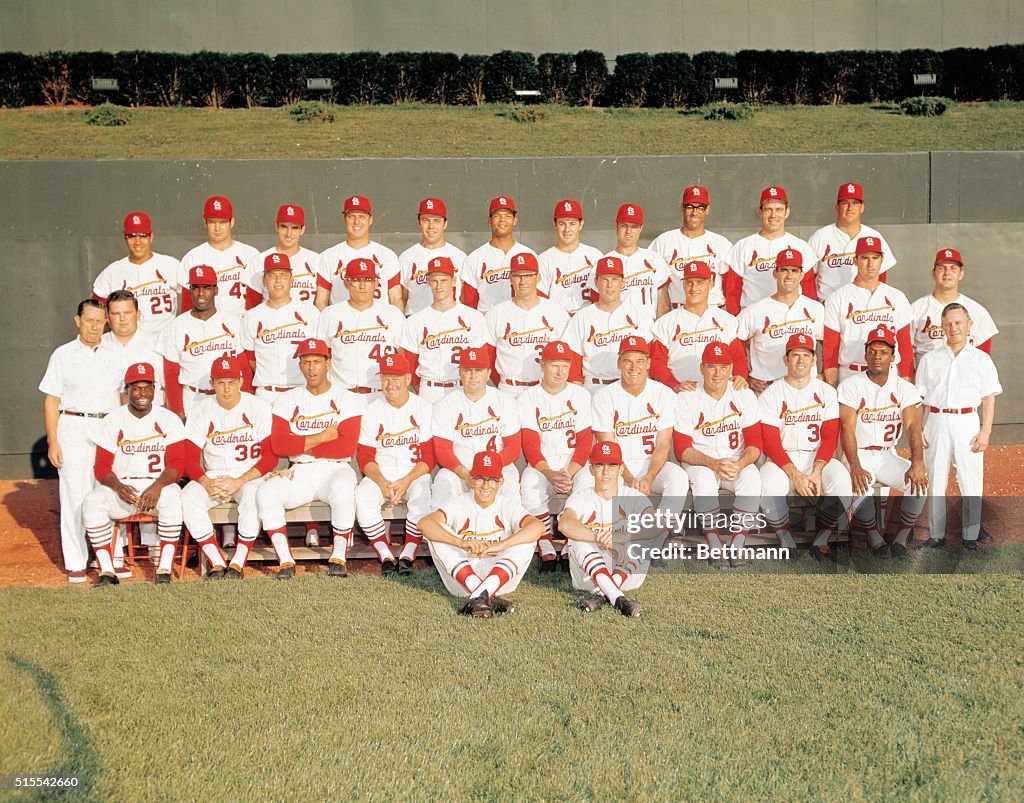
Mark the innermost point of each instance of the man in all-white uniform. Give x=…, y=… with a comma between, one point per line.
x=752, y=259
x=82, y=384
x=485, y=273
x=224, y=255
x=718, y=441
x=556, y=434
x=680, y=336
x=138, y=462
x=567, y=267
x=358, y=216
x=874, y=407
x=227, y=453
x=152, y=278
x=317, y=427
x=595, y=521
x=434, y=338
x=521, y=327
x=956, y=381
x=594, y=333
x=800, y=434
x=482, y=541
x=395, y=454
x=645, y=273
x=129, y=340
x=926, y=328
x=691, y=242
x=767, y=325
x=432, y=221
x=290, y=226
x=835, y=245
x=858, y=308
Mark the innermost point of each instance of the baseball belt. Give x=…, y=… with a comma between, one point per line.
x=854, y=367
x=274, y=389
x=952, y=411
x=362, y=389
x=519, y=384
x=83, y=415
x=596, y=380
x=874, y=448
x=434, y=384
x=204, y=391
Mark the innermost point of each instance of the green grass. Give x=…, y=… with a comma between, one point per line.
x=793, y=685
x=422, y=130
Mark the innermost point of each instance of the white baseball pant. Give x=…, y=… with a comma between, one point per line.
x=706, y=485
x=515, y=391
x=450, y=560
x=330, y=481
x=370, y=498
x=196, y=504
x=434, y=393
x=75, y=481
x=102, y=506
x=447, y=485
x=536, y=490
x=582, y=553
x=888, y=468
x=948, y=436
x=776, y=484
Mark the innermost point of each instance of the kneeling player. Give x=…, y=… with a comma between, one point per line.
x=482, y=543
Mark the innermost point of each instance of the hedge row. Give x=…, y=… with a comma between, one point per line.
x=640, y=79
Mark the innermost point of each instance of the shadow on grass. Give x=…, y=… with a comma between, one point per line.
x=79, y=756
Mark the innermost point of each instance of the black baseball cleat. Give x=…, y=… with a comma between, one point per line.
x=971, y=546
x=286, y=572
x=882, y=552
x=501, y=605
x=163, y=578
x=738, y=563
x=822, y=554
x=563, y=564
x=477, y=607
x=337, y=569
x=404, y=567
x=984, y=537
x=628, y=607
x=107, y=580
x=718, y=563
x=216, y=573
x=898, y=550
x=549, y=565
x=233, y=573
x=934, y=543
x=388, y=567
x=593, y=602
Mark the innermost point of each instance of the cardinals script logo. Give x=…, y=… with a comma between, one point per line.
x=493, y=534
x=458, y=336
x=564, y=420
x=884, y=314
x=874, y=415
x=292, y=331
x=777, y=331
x=728, y=423
x=239, y=434
x=366, y=334
x=209, y=344
x=410, y=436
x=612, y=336
x=487, y=427
x=645, y=425
x=812, y=412
x=317, y=422
x=705, y=335
x=540, y=335
x=148, y=445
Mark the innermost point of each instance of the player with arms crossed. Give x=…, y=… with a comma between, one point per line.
x=432, y=221
x=290, y=226
x=645, y=274
x=485, y=274
x=567, y=267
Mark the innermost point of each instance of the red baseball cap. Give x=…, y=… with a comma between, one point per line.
x=869, y=245
x=568, y=208
x=394, y=364
x=609, y=266
x=201, y=275
x=774, y=193
x=697, y=270
x=291, y=213
x=789, y=258
x=949, y=255
x=606, y=453
x=556, y=350
x=360, y=269
x=218, y=208
x=137, y=223
x=433, y=206
x=633, y=343
x=313, y=346
x=882, y=334
x=441, y=265
x=139, y=372
x=696, y=195
x=474, y=358
x=277, y=261
x=850, y=190
x=502, y=202
x=716, y=353
x=800, y=341
x=525, y=262
x=226, y=367
x=486, y=464
x=357, y=203
x=630, y=213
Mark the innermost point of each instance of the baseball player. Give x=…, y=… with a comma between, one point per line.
x=752, y=259
x=482, y=540
x=766, y=325
x=194, y=339
x=434, y=338
x=680, y=336
x=521, y=327
x=290, y=225
x=927, y=311
x=317, y=427
x=718, y=440
x=474, y=418
x=956, y=381
x=138, y=461
x=638, y=414
x=432, y=221
x=150, y=277
x=358, y=216
x=396, y=455
x=360, y=330
x=556, y=435
x=227, y=451
x=81, y=386
x=645, y=273
x=874, y=407
x=858, y=308
x=690, y=242
x=595, y=521
x=800, y=433
x=567, y=267
x=221, y=252
x=485, y=274
x=835, y=245
x=594, y=333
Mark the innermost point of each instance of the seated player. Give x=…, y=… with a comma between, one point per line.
x=395, y=455
x=227, y=451
x=482, y=541
x=595, y=520
x=138, y=464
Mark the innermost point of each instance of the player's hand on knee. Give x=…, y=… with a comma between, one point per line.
x=728, y=469
x=804, y=485
x=861, y=481
x=603, y=538
x=148, y=499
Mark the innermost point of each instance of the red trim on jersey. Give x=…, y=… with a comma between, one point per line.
x=174, y=458
x=194, y=461
x=427, y=454
x=365, y=455
x=186, y=300
x=345, y=445
x=511, y=446
x=252, y=298
x=172, y=387
x=414, y=361
x=906, y=353
x=584, y=440
x=395, y=281
x=829, y=440
x=268, y=458
x=732, y=289
x=752, y=436
x=575, y=367
x=470, y=296
x=444, y=451
x=659, y=365
x=322, y=282
x=739, y=359
x=682, y=442
x=830, y=349
x=531, y=446
x=249, y=357
x=986, y=347
x=881, y=277
x=809, y=285
x=773, y=448
x=103, y=464
x=285, y=442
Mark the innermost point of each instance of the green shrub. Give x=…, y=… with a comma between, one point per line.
x=925, y=106
x=312, y=111
x=672, y=81
x=556, y=74
x=727, y=111
x=108, y=114
x=507, y=71
x=628, y=86
x=525, y=114
x=589, y=78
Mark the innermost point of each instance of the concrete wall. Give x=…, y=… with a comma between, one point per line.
x=61, y=225
x=487, y=26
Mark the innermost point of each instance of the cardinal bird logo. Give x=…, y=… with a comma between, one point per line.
x=508, y=330
x=927, y=324
x=615, y=419
x=423, y=340
x=462, y=323
x=547, y=325
x=700, y=421
x=412, y=420
x=767, y=324
x=784, y=410
x=224, y=326
x=807, y=314
x=587, y=260
x=376, y=261
x=895, y=401
x=160, y=276
x=160, y=432
x=753, y=258
x=849, y=310
x=490, y=412
x=124, y=284
x=828, y=250
x=888, y=303
x=187, y=340
x=245, y=420
x=716, y=324
x=380, y=323
x=259, y=328
x=380, y=431
x=710, y=250
x=593, y=332
x=499, y=523
x=675, y=253
x=734, y=408
x=568, y=405
x=862, y=405
x=210, y=430
x=647, y=265
x=591, y=519
x=817, y=398
x=464, y=528
x=651, y=409
x=295, y=415
x=120, y=436
x=334, y=407
x=300, y=319
x=630, y=322
x=459, y=421
x=238, y=261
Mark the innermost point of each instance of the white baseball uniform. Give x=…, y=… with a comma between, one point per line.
x=272, y=335
x=566, y=276
x=519, y=335
x=644, y=274
x=359, y=339
x=304, y=274
x=851, y=313
x=768, y=324
x=141, y=348
x=154, y=283
x=436, y=341
x=191, y=344
x=926, y=328
x=751, y=268
x=486, y=274
x=684, y=335
x=331, y=269
x=230, y=267
x=594, y=335
x=412, y=264
x=835, y=257
x=678, y=251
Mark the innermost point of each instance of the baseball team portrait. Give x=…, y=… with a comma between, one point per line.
x=551, y=401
